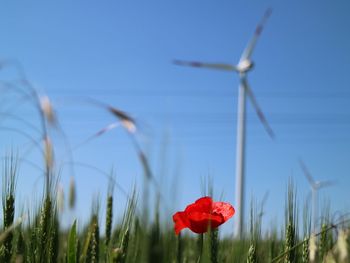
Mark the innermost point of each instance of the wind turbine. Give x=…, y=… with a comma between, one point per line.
x=315, y=186
x=244, y=65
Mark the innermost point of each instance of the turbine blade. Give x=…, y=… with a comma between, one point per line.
x=326, y=184
x=257, y=108
x=251, y=45
x=266, y=195
x=307, y=173
x=196, y=64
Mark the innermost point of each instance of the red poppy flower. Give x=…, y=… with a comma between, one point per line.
x=202, y=214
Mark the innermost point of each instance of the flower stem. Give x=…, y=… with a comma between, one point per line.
x=200, y=247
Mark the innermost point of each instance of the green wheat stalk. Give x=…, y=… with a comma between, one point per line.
x=179, y=249
x=214, y=245
x=94, y=242
x=200, y=247
x=305, y=251
x=109, y=211
x=155, y=243
x=325, y=242
x=44, y=230
x=252, y=255
x=120, y=253
x=8, y=204
x=72, y=193
x=84, y=256
x=291, y=238
x=20, y=246
x=54, y=240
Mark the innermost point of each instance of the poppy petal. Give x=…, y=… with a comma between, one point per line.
x=181, y=221
x=200, y=222
x=224, y=209
x=203, y=204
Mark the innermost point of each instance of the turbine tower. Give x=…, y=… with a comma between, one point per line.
x=315, y=186
x=244, y=65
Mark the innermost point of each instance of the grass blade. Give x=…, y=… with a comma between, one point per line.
x=72, y=245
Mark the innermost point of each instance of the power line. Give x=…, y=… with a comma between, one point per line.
x=201, y=94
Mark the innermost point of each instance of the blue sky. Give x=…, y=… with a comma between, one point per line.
x=120, y=53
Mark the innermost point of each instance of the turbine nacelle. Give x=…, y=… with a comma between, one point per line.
x=316, y=185
x=244, y=66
